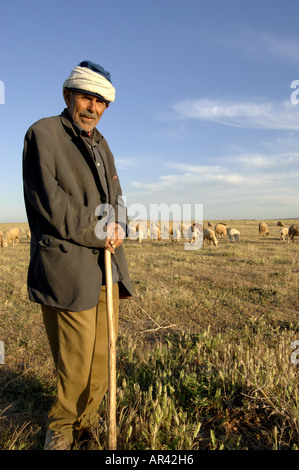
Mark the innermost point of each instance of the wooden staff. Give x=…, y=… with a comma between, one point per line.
x=111, y=355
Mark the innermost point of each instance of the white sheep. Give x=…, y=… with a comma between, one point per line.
x=233, y=234
x=284, y=233
x=193, y=233
x=155, y=231
x=176, y=235
x=141, y=232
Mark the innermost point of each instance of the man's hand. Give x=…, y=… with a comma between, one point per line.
x=115, y=236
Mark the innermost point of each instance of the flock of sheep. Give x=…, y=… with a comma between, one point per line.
x=285, y=232
x=210, y=234
x=139, y=231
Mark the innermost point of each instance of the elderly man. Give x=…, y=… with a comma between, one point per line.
x=75, y=210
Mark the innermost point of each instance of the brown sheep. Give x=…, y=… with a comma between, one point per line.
x=263, y=229
x=209, y=236
x=293, y=231
x=12, y=236
x=1, y=239
x=220, y=230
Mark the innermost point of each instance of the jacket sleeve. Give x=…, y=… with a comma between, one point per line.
x=71, y=219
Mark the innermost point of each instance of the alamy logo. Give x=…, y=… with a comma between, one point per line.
x=2, y=92
x=294, y=95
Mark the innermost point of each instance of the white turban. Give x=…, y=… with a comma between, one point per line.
x=89, y=81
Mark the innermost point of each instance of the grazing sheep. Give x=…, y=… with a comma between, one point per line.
x=293, y=231
x=209, y=236
x=284, y=233
x=132, y=231
x=1, y=239
x=193, y=233
x=233, y=234
x=211, y=225
x=220, y=230
x=176, y=235
x=141, y=233
x=263, y=229
x=184, y=230
x=155, y=232
x=12, y=236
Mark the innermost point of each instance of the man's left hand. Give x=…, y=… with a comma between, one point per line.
x=115, y=236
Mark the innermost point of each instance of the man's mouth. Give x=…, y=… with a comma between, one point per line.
x=89, y=117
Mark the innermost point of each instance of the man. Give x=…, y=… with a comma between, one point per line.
x=75, y=211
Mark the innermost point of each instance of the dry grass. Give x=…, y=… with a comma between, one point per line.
x=204, y=352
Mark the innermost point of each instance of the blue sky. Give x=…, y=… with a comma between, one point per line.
x=202, y=114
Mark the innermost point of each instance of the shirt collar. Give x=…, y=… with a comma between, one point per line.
x=82, y=131
x=78, y=129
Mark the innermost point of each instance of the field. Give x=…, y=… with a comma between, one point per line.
x=205, y=359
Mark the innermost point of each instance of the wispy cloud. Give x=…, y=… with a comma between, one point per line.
x=259, y=46
x=255, y=114
x=288, y=48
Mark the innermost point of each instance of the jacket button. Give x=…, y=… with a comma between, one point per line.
x=95, y=252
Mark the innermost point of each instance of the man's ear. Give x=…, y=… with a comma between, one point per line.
x=67, y=96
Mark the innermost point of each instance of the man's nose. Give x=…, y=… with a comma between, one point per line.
x=92, y=106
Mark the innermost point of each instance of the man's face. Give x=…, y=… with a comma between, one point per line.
x=86, y=110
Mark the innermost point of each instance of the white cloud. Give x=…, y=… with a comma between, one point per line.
x=256, y=114
x=256, y=161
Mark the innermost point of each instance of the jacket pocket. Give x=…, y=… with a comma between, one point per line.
x=48, y=243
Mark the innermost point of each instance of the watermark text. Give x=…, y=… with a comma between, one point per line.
x=159, y=221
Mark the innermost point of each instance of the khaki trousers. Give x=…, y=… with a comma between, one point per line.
x=79, y=345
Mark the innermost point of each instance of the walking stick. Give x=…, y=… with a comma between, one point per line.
x=111, y=355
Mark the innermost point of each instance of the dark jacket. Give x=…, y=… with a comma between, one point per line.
x=63, y=193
